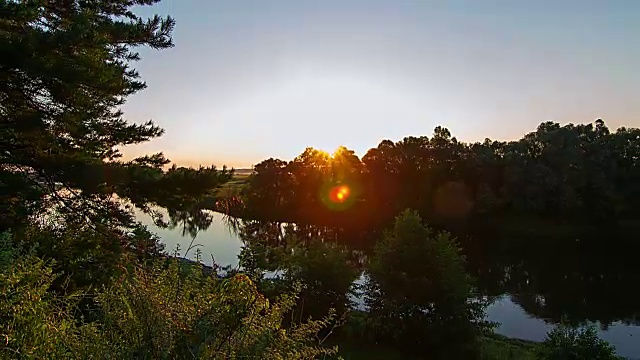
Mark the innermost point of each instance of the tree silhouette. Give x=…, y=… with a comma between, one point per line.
x=572, y=173
x=65, y=71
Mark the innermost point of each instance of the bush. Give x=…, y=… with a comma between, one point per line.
x=567, y=343
x=164, y=312
x=326, y=277
x=33, y=324
x=419, y=294
x=86, y=255
x=7, y=251
x=300, y=256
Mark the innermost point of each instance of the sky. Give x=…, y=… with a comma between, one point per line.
x=249, y=80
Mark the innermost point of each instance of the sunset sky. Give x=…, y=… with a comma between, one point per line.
x=249, y=80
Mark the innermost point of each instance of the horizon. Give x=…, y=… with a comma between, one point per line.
x=246, y=82
x=246, y=166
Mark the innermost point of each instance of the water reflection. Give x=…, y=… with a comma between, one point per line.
x=217, y=240
x=190, y=222
x=575, y=280
x=518, y=323
x=536, y=282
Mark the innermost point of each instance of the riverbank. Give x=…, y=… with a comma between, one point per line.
x=493, y=347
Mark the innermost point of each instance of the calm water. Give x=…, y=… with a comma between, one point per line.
x=219, y=240
x=516, y=322
x=587, y=286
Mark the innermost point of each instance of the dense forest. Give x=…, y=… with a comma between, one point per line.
x=571, y=173
x=82, y=277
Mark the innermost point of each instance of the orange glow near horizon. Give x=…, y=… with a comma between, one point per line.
x=339, y=194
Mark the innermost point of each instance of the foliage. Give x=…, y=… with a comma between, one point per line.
x=326, y=276
x=264, y=247
x=419, y=294
x=7, y=252
x=366, y=351
x=562, y=343
x=575, y=173
x=569, y=343
x=166, y=311
x=65, y=71
x=87, y=256
x=80, y=278
x=493, y=347
x=303, y=255
x=32, y=322
x=86, y=288
x=496, y=347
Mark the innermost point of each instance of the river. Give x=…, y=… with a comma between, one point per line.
x=530, y=290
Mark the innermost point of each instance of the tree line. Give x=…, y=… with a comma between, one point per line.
x=574, y=173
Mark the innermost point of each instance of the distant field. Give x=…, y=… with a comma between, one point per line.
x=233, y=187
x=243, y=172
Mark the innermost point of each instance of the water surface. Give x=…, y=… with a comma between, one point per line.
x=532, y=289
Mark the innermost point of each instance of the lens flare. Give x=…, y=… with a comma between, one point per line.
x=339, y=194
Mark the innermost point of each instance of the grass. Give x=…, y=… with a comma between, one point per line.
x=498, y=347
x=494, y=347
x=233, y=187
x=360, y=351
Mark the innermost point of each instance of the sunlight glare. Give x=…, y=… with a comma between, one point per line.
x=321, y=108
x=339, y=194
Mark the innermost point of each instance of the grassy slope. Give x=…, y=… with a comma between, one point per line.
x=498, y=347
x=234, y=186
x=494, y=347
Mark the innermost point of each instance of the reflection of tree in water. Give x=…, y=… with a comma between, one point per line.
x=575, y=280
x=232, y=223
x=190, y=221
x=287, y=236
x=311, y=255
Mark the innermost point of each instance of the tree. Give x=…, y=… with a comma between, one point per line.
x=66, y=195
x=574, y=173
x=65, y=71
x=270, y=187
x=346, y=166
x=303, y=255
x=310, y=171
x=326, y=275
x=419, y=294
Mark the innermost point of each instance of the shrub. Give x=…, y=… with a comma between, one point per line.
x=567, y=343
x=33, y=323
x=87, y=256
x=326, y=276
x=419, y=294
x=167, y=311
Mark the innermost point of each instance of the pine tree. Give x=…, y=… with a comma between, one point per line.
x=65, y=69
